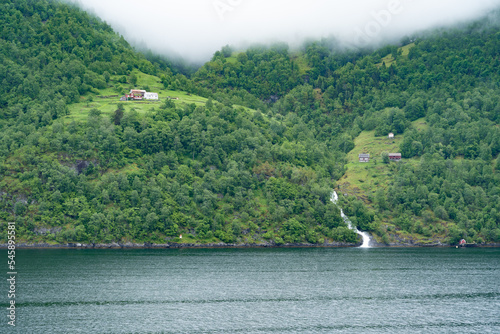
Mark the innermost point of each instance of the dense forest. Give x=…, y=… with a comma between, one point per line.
x=257, y=162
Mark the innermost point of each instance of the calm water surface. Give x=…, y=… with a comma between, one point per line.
x=256, y=291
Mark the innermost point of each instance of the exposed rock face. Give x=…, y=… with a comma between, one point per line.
x=81, y=165
x=44, y=230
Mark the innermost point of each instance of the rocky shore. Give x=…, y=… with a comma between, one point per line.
x=219, y=245
x=172, y=245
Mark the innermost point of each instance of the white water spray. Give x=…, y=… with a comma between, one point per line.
x=364, y=235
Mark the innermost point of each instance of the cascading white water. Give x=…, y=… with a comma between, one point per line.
x=364, y=235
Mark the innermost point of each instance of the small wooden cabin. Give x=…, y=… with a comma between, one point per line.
x=391, y=135
x=395, y=156
x=364, y=157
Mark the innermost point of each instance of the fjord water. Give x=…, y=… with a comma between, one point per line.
x=316, y=290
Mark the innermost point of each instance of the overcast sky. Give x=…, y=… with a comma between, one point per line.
x=195, y=29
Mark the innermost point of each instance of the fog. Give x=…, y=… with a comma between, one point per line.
x=195, y=29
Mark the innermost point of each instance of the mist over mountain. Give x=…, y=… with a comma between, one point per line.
x=195, y=29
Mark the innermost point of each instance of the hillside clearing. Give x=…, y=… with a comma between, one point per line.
x=362, y=179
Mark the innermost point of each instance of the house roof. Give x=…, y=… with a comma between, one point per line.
x=395, y=154
x=364, y=155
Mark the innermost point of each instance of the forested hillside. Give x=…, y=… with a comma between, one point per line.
x=211, y=172
x=257, y=158
x=447, y=186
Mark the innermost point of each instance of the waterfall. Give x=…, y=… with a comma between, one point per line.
x=364, y=235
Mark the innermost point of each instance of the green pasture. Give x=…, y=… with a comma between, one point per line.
x=406, y=49
x=364, y=178
x=108, y=99
x=389, y=59
x=301, y=61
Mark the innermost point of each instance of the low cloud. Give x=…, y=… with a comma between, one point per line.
x=195, y=29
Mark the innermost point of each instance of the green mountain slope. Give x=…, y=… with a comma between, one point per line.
x=449, y=80
x=448, y=190
x=101, y=171
x=256, y=142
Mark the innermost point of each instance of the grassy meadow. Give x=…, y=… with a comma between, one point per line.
x=108, y=99
x=362, y=179
x=389, y=59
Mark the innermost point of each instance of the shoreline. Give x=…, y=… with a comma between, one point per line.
x=146, y=245
x=130, y=245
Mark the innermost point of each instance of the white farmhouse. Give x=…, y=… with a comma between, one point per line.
x=150, y=96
